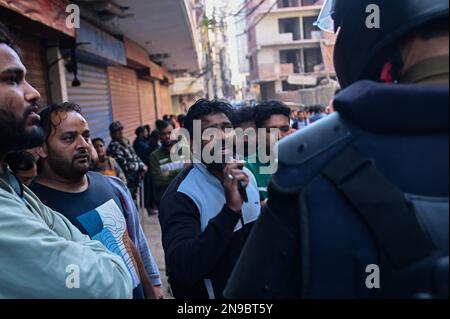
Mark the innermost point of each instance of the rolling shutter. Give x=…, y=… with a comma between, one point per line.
x=166, y=100
x=94, y=98
x=125, y=99
x=147, y=102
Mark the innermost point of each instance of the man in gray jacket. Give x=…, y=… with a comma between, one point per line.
x=42, y=255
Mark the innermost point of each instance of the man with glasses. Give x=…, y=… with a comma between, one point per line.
x=268, y=115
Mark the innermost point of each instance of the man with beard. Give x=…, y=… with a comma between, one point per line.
x=163, y=169
x=99, y=206
x=205, y=215
x=42, y=255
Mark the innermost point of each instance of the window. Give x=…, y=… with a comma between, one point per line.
x=308, y=27
x=309, y=2
x=313, y=57
x=291, y=57
x=288, y=3
x=290, y=25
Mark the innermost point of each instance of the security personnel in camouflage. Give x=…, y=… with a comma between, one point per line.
x=122, y=151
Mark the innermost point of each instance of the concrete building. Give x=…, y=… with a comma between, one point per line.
x=244, y=91
x=168, y=31
x=190, y=84
x=290, y=59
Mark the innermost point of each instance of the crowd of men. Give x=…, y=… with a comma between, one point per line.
x=70, y=225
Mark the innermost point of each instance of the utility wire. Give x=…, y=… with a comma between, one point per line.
x=252, y=10
x=244, y=6
x=260, y=19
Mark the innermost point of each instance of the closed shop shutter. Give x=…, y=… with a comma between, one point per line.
x=166, y=100
x=147, y=102
x=93, y=97
x=125, y=99
x=34, y=59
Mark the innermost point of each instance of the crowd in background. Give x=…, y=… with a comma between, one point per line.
x=146, y=167
x=132, y=162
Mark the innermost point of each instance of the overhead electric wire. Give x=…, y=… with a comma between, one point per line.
x=260, y=19
x=252, y=10
x=244, y=6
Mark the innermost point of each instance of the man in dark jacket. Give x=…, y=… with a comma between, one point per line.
x=204, y=218
x=359, y=205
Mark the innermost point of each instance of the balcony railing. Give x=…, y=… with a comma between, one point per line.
x=320, y=95
x=286, y=69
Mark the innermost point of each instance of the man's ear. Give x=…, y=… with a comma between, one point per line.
x=42, y=151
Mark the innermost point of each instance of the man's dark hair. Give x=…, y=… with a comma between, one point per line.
x=180, y=119
x=46, y=115
x=139, y=130
x=155, y=135
x=98, y=139
x=203, y=108
x=243, y=115
x=20, y=161
x=317, y=109
x=162, y=125
x=6, y=39
x=265, y=110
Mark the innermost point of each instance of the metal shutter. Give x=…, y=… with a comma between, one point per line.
x=125, y=99
x=147, y=102
x=94, y=98
x=166, y=100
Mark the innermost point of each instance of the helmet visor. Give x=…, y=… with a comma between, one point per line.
x=325, y=21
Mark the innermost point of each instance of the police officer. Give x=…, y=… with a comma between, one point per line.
x=359, y=205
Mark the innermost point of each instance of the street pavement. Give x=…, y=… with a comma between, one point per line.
x=152, y=230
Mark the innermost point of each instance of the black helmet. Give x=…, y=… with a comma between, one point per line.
x=361, y=49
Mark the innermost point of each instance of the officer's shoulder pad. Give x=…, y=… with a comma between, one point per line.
x=302, y=155
x=313, y=140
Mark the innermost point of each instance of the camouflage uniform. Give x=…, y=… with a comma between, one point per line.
x=131, y=164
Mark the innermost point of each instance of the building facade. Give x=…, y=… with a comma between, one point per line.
x=190, y=84
x=289, y=58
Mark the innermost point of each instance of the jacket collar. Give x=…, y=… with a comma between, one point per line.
x=399, y=108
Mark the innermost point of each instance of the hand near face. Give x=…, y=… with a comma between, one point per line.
x=232, y=176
